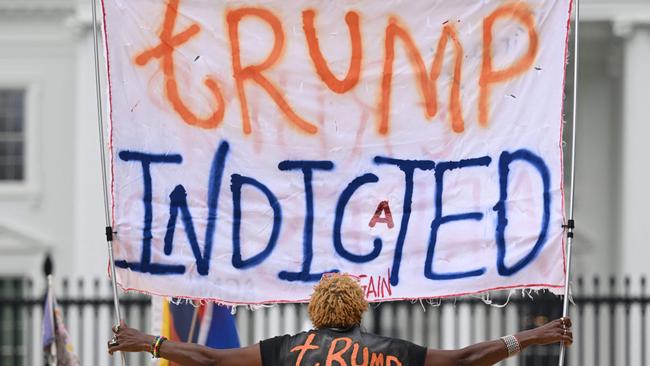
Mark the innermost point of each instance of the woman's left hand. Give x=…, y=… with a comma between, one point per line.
x=556, y=331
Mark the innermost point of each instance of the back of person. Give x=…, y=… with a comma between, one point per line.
x=340, y=347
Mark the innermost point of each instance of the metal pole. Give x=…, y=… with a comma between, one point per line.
x=107, y=213
x=570, y=226
x=195, y=317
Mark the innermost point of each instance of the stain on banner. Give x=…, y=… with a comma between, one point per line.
x=259, y=144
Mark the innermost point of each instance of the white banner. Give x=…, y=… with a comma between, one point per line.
x=259, y=144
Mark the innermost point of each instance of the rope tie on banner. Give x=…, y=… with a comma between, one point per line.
x=108, y=230
x=571, y=295
x=570, y=225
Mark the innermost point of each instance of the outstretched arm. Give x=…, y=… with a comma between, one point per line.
x=489, y=353
x=132, y=340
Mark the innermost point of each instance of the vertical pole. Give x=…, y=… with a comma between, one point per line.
x=107, y=213
x=53, y=360
x=195, y=317
x=570, y=226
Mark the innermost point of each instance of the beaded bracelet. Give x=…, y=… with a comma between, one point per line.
x=155, y=346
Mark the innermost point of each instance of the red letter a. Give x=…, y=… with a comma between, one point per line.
x=387, y=219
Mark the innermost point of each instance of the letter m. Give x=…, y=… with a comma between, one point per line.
x=426, y=83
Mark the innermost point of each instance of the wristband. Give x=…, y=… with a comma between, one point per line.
x=512, y=345
x=155, y=346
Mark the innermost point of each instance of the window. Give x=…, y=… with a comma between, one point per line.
x=12, y=135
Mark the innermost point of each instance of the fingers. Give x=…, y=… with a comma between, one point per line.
x=567, y=339
x=562, y=323
x=566, y=336
x=566, y=321
x=118, y=327
x=556, y=331
x=122, y=339
x=113, y=341
x=113, y=345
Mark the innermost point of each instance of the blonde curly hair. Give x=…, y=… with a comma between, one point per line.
x=337, y=302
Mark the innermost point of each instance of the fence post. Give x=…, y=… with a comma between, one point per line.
x=644, y=303
x=627, y=320
x=612, y=321
x=581, y=325
x=17, y=290
x=80, y=326
x=96, y=315
x=596, y=322
x=29, y=323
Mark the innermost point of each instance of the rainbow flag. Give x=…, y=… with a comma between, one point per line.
x=210, y=325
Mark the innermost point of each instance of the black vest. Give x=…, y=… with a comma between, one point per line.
x=333, y=347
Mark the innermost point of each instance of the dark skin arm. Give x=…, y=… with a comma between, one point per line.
x=189, y=354
x=480, y=354
x=491, y=352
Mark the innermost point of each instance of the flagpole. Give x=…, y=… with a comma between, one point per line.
x=107, y=213
x=50, y=300
x=195, y=316
x=570, y=224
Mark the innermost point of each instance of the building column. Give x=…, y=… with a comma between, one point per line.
x=634, y=190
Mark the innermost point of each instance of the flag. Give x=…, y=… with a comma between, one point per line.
x=209, y=324
x=57, y=346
